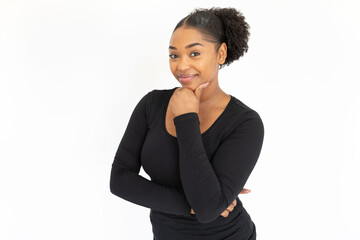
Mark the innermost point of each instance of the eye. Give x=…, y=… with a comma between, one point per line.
x=173, y=56
x=195, y=53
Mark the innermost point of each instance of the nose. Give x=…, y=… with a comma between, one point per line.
x=183, y=64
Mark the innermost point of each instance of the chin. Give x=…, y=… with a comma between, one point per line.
x=190, y=86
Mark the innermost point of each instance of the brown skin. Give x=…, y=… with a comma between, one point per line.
x=203, y=94
x=204, y=62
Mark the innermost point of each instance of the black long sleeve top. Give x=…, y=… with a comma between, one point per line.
x=205, y=172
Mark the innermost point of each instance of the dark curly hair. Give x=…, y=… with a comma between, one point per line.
x=221, y=25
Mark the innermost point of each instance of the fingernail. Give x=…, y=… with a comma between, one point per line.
x=205, y=85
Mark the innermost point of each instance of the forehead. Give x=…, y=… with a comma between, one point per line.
x=185, y=35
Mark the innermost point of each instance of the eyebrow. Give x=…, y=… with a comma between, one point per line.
x=188, y=46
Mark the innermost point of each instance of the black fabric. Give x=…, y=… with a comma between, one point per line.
x=204, y=172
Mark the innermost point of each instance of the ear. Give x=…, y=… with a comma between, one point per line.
x=222, y=53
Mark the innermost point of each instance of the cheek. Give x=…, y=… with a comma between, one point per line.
x=206, y=67
x=172, y=67
x=208, y=70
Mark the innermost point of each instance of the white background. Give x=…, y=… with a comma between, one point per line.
x=72, y=71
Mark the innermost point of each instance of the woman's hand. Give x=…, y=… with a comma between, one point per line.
x=232, y=205
x=229, y=209
x=244, y=190
x=185, y=100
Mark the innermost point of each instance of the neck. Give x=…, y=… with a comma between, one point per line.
x=211, y=95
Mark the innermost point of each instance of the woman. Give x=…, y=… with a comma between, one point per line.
x=197, y=143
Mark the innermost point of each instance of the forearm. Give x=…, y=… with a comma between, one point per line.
x=201, y=186
x=139, y=190
x=210, y=187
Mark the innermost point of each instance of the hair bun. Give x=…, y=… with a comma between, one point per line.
x=236, y=31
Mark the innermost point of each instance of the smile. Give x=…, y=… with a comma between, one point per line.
x=186, y=78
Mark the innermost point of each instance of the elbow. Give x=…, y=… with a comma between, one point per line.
x=206, y=216
x=116, y=182
x=114, y=189
x=209, y=211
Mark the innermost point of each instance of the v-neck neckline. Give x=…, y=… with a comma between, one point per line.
x=207, y=130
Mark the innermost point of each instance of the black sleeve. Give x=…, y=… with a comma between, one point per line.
x=125, y=181
x=210, y=187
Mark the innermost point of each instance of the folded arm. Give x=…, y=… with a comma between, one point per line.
x=210, y=187
x=125, y=181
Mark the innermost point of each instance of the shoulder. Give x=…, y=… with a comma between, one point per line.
x=158, y=96
x=154, y=100
x=160, y=93
x=155, y=95
x=241, y=110
x=243, y=115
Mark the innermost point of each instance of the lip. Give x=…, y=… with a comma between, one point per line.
x=186, y=78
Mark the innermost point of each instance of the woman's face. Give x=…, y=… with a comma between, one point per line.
x=193, y=60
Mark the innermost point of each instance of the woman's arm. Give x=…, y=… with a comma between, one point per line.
x=211, y=187
x=125, y=181
x=232, y=205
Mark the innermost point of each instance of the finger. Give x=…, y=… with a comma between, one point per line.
x=199, y=89
x=225, y=214
x=234, y=203
x=245, y=191
x=230, y=208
